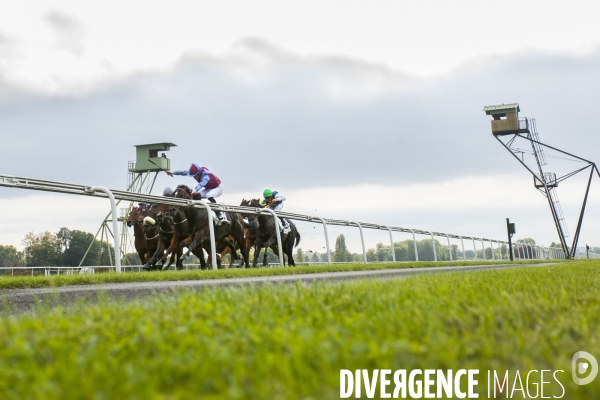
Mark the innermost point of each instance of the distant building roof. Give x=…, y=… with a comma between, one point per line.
x=502, y=107
x=156, y=144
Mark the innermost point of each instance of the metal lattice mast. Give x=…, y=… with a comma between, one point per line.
x=506, y=123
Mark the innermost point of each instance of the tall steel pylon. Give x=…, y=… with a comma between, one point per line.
x=507, y=124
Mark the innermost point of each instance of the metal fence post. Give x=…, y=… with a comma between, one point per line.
x=415, y=245
x=492, y=248
x=277, y=232
x=362, y=239
x=326, y=238
x=449, y=248
x=433, y=245
x=115, y=222
x=483, y=249
x=474, y=249
x=211, y=230
x=392, y=244
x=462, y=243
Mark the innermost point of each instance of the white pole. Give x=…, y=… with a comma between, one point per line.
x=211, y=230
x=115, y=222
x=277, y=232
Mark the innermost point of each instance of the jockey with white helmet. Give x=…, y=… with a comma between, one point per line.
x=209, y=185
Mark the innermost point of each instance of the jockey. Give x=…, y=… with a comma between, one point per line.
x=209, y=185
x=274, y=200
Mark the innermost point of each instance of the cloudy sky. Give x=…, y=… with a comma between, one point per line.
x=367, y=111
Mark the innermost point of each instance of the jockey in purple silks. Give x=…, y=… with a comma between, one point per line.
x=209, y=185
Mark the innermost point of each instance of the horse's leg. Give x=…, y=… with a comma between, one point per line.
x=271, y=243
x=183, y=244
x=288, y=249
x=231, y=248
x=257, y=250
x=169, y=251
x=200, y=255
x=160, y=248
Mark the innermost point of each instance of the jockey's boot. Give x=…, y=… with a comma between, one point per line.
x=286, y=226
x=223, y=218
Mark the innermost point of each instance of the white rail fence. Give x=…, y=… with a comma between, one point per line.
x=520, y=250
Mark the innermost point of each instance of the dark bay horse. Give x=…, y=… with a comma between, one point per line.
x=135, y=219
x=266, y=236
x=198, y=229
x=164, y=227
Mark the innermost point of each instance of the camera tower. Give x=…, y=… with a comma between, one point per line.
x=141, y=177
x=511, y=131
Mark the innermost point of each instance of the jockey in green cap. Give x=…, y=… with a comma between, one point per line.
x=274, y=200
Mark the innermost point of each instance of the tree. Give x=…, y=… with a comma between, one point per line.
x=341, y=253
x=10, y=256
x=65, y=248
x=299, y=256
x=526, y=241
x=42, y=249
x=315, y=258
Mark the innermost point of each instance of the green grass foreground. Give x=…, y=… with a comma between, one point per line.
x=22, y=282
x=290, y=341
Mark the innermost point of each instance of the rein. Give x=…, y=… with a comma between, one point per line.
x=161, y=229
x=147, y=238
x=179, y=223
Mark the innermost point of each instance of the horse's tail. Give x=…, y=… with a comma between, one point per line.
x=297, y=238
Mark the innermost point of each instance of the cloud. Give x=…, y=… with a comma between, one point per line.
x=69, y=31
x=262, y=116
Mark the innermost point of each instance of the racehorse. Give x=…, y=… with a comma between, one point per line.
x=164, y=221
x=180, y=233
x=151, y=236
x=198, y=229
x=135, y=220
x=266, y=236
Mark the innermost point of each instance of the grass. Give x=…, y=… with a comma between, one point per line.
x=22, y=282
x=290, y=341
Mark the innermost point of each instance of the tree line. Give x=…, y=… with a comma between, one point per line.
x=403, y=250
x=64, y=248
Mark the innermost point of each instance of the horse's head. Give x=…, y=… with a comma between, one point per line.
x=135, y=217
x=164, y=217
x=254, y=203
x=182, y=192
x=150, y=227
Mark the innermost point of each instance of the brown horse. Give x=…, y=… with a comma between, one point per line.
x=180, y=234
x=163, y=227
x=249, y=231
x=198, y=228
x=135, y=219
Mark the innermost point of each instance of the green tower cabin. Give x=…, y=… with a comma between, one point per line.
x=506, y=119
x=150, y=157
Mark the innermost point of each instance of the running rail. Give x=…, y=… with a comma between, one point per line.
x=94, y=191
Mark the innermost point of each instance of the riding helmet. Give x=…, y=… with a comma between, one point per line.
x=194, y=169
x=267, y=193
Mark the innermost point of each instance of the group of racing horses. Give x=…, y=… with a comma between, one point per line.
x=163, y=232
